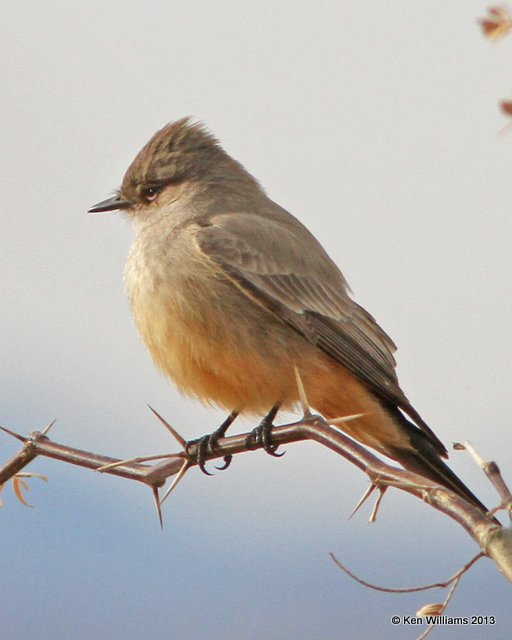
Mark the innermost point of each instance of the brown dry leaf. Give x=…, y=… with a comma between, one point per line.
x=497, y=23
x=434, y=609
x=19, y=485
x=506, y=107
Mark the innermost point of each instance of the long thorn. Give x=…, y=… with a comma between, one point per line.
x=344, y=419
x=138, y=459
x=156, y=499
x=303, y=399
x=14, y=435
x=183, y=469
x=373, y=514
x=173, y=432
x=48, y=427
x=363, y=499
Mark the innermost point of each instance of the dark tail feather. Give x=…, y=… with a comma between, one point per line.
x=425, y=460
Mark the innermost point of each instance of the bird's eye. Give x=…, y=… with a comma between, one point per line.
x=150, y=193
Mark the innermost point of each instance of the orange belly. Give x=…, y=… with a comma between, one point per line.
x=226, y=362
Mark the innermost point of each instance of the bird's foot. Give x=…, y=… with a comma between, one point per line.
x=197, y=450
x=261, y=436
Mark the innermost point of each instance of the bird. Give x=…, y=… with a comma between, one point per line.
x=232, y=294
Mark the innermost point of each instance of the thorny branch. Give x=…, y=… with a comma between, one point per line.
x=494, y=541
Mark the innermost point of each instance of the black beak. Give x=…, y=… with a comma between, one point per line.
x=112, y=204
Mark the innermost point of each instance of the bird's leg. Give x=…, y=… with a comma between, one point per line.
x=210, y=441
x=262, y=434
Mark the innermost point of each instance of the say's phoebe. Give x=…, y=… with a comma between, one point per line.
x=230, y=293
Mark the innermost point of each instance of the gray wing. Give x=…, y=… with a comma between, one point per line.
x=283, y=267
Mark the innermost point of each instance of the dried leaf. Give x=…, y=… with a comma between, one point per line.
x=497, y=23
x=506, y=107
x=32, y=474
x=434, y=609
x=17, y=485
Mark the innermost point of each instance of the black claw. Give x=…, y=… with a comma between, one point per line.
x=273, y=452
x=210, y=442
x=227, y=462
x=263, y=435
x=202, y=447
x=270, y=448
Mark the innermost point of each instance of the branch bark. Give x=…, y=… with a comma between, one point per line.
x=494, y=540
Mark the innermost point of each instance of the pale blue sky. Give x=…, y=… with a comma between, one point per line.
x=376, y=124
